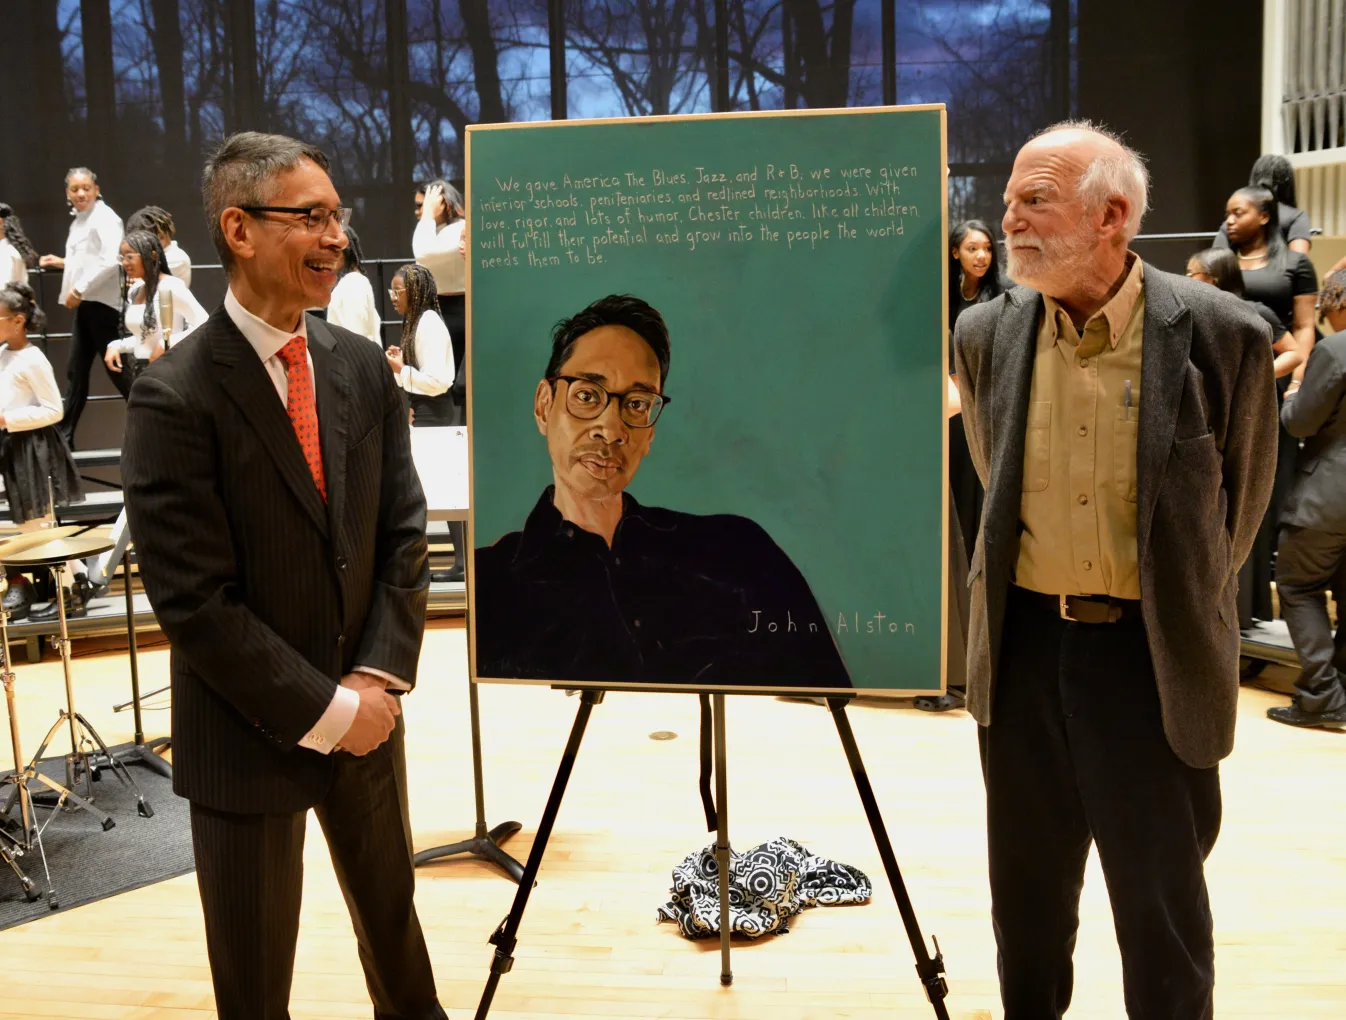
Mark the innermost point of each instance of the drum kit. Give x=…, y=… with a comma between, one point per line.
x=21, y=834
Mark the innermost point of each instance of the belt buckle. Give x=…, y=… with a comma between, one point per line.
x=1066, y=614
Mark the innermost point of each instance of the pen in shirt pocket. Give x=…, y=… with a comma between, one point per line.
x=1128, y=394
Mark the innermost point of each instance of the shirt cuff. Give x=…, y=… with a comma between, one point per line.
x=329, y=729
x=395, y=683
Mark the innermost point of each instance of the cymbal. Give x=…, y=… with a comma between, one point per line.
x=58, y=551
x=34, y=538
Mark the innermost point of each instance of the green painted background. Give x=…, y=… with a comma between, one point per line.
x=807, y=385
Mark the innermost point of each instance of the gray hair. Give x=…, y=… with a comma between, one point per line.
x=242, y=172
x=1119, y=172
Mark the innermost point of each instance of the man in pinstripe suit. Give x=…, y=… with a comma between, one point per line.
x=280, y=527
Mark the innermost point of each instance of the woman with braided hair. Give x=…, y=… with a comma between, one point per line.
x=423, y=364
x=17, y=254
x=145, y=280
x=423, y=358
x=158, y=220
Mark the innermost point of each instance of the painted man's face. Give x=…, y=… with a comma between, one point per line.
x=596, y=458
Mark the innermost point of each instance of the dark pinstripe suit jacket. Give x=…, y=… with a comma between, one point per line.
x=267, y=596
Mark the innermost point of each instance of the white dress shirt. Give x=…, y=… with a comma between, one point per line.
x=179, y=263
x=433, y=372
x=436, y=248
x=187, y=315
x=12, y=267
x=267, y=341
x=92, y=252
x=353, y=306
x=28, y=393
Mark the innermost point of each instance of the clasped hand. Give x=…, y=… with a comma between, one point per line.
x=374, y=719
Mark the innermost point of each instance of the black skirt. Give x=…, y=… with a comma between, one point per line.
x=432, y=411
x=27, y=460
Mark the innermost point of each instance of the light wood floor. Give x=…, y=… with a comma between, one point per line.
x=589, y=946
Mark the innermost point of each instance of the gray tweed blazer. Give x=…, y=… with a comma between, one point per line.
x=1205, y=459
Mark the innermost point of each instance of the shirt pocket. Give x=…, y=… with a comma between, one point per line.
x=1038, y=446
x=1125, y=432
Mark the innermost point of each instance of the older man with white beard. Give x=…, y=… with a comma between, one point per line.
x=1123, y=421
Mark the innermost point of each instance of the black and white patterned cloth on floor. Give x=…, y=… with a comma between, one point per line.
x=768, y=885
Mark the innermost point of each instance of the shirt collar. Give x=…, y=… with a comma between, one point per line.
x=263, y=337
x=545, y=524
x=1116, y=313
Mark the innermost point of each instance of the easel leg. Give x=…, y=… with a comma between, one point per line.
x=931, y=971
x=505, y=937
x=722, y=857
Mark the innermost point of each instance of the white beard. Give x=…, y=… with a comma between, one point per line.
x=1057, y=259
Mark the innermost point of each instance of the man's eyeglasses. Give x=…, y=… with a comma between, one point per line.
x=586, y=400
x=319, y=217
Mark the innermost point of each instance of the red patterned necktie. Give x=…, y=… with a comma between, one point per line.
x=302, y=408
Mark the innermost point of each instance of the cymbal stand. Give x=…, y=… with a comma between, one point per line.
x=12, y=847
x=88, y=753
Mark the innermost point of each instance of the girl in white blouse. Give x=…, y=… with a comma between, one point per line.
x=32, y=450
x=423, y=365
x=352, y=304
x=423, y=362
x=145, y=283
x=88, y=286
x=17, y=254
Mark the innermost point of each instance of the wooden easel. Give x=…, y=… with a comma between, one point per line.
x=505, y=938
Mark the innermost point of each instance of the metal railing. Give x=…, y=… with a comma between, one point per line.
x=41, y=278
x=381, y=268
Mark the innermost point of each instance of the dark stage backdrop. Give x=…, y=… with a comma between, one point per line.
x=139, y=89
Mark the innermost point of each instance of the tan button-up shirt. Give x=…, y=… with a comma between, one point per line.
x=1078, y=505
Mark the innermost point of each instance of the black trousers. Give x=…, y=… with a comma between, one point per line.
x=1076, y=754
x=132, y=366
x=249, y=869
x=453, y=310
x=1310, y=562
x=95, y=325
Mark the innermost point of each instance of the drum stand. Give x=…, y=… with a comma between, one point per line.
x=88, y=753
x=14, y=847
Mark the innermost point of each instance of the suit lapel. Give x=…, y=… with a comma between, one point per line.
x=246, y=381
x=1013, y=352
x=1165, y=351
x=333, y=392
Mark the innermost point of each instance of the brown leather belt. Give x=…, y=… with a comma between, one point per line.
x=1091, y=609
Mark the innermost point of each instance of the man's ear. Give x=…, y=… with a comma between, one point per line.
x=544, y=398
x=236, y=227
x=1115, y=213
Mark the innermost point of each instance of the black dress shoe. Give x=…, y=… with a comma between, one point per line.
x=77, y=598
x=1293, y=715
x=18, y=599
x=454, y=573
x=49, y=613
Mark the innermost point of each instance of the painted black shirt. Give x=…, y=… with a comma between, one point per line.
x=679, y=599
